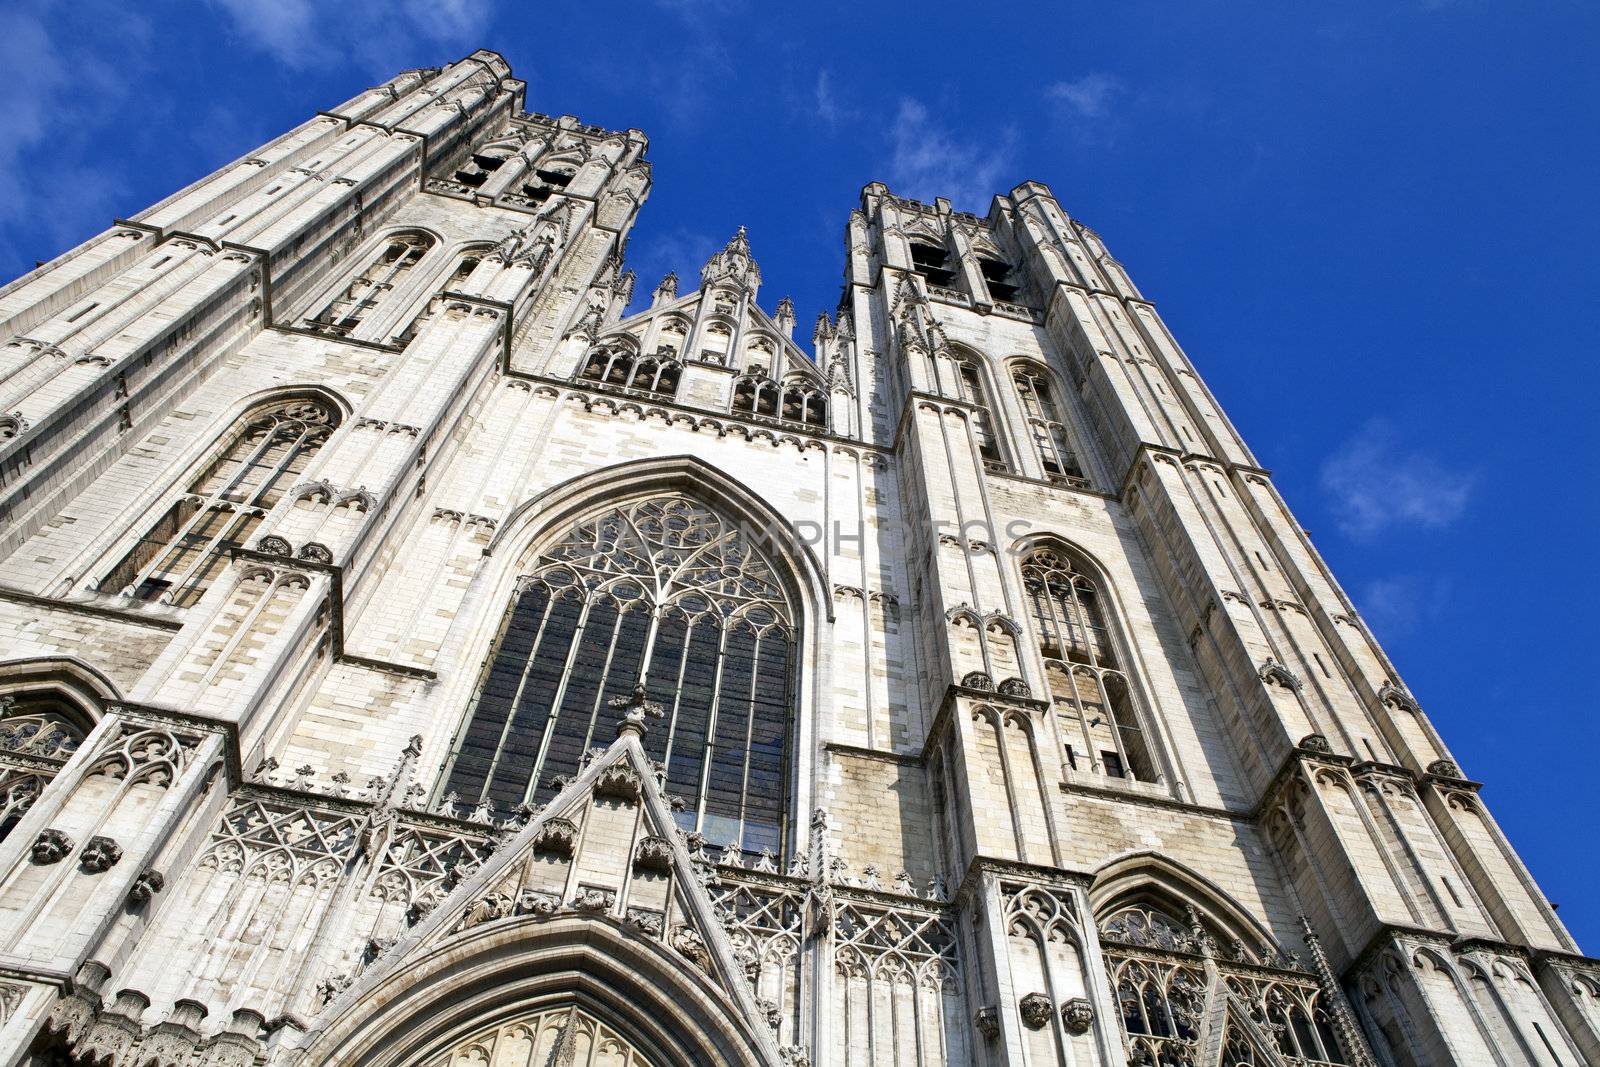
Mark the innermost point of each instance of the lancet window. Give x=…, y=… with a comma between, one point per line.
x=1048, y=428
x=618, y=366
x=466, y=263
x=1088, y=686
x=374, y=286
x=38, y=734
x=261, y=458
x=666, y=594
x=969, y=387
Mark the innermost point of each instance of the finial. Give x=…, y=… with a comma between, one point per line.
x=637, y=705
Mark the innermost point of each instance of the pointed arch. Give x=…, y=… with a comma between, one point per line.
x=1146, y=879
x=666, y=1010
x=1089, y=663
x=240, y=475
x=730, y=656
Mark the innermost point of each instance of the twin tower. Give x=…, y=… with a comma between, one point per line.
x=410, y=658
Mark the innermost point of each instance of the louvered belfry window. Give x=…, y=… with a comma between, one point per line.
x=663, y=591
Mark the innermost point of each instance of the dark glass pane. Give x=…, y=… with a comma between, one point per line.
x=482, y=736
x=574, y=719
x=725, y=783
x=694, y=712
x=623, y=673
x=767, y=773
x=539, y=685
x=666, y=665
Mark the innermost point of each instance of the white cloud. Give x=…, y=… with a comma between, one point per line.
x=927, y=161
x=1398, y=604
x=1088, y=97
x=60, y=94
x=827, y=104
x=1375, y=483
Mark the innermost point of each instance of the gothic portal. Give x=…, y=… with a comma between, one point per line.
x=411, y=658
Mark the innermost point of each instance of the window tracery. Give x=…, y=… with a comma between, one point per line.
x=38, y=734
x=565, y=1035
x=466, y=263
x=616, y=365
x=968, y=387
x=666, y=594
x=1165, y=972
x=1088, y=686
x=183, y=553
x=794, y=402
x=1049, y=430
x=373, y=286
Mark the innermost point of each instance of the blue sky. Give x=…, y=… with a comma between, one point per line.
x=1372, y=225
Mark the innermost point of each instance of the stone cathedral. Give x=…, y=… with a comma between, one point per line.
x=411, y=658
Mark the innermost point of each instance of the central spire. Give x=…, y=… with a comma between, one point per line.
x=733, y=265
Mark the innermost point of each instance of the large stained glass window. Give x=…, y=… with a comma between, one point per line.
x=666, y=593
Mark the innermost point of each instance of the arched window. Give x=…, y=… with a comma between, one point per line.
x=466, y=263
x=373, y=287
x=1087, y=683
x=756, y=394
x=39, y=732
x=1048, y=428
x=969, y=387
x=179, y=557
x=479, y=165
x=1166, y=970
x=802, y=403
x=617, y=365
x=663, y=593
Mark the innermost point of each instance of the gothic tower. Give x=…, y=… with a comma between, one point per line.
x=409, y=657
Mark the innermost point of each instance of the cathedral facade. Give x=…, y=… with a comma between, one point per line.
x=409, y=658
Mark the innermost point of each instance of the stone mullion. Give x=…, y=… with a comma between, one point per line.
x=1103, y=998
x=1207, y=415
x=1008, y=1049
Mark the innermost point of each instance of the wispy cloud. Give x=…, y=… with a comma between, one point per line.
x=61, y=92
x=306, y=34
x=1088, y=97
x=1374, y=483
x=928, y=160
x=1398, y=604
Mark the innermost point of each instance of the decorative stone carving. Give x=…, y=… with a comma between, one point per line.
x=1015, y=687
x=978, y=680
x=100, y=854
x=52, y=846
x=618, y=781
x=558, y=836
x=1076, y=1015
x=653, y=853
x=795, y=1056
x=315, y=552
x=1036, y=1010
x=592, y=900
x=1316, y=743
x=273, y=545
x=691, y=947
x=646, y=921
x=1446, y=768
x=987, y=1022
x=770, y=1012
